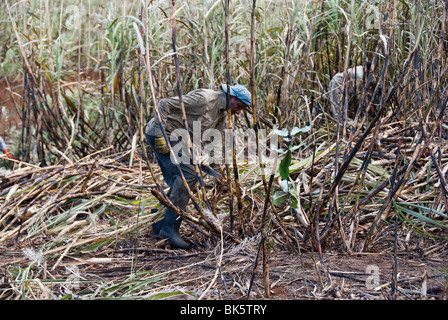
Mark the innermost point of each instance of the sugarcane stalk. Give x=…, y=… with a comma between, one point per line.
x=255, y=122
x=419, y=150
x=203, y=223
x=395, y=192
x=157, y=114
x=184, y=114
x=230, y=126
x=339, y=174
x=358, y=144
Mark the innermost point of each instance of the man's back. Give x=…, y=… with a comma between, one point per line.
x=203, y=105
x=354, y=80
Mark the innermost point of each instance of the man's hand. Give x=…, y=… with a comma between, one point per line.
x=211, y=171
x=161, y=146
x=10, y=156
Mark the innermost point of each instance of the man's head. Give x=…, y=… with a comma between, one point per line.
x=240, y=98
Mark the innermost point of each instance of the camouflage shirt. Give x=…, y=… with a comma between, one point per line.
x=203, y=105
x=354, y=80
x=2, y=144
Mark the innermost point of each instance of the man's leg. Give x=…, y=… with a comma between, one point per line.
x=168, y=172
x=179, y=197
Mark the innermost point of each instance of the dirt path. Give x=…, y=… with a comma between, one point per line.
x=341, y=276
x=358, y=276
x=421, y=274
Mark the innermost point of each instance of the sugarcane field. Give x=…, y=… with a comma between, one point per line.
x=209, y=150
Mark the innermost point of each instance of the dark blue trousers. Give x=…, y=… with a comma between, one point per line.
x=177, y=194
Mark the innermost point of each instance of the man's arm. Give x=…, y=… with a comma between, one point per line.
x=5, y=149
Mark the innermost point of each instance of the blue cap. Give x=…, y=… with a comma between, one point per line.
x=240, y=92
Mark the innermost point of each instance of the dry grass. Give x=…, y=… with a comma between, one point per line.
x=85, y=187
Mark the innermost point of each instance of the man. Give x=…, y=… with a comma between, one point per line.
x=355, y=77
x=209, y=107
x=5, y=150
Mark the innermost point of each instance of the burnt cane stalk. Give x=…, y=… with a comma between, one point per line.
x=182, y=106
x=173, y=156
x=230, y=125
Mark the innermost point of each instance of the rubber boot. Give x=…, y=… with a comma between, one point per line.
x=170, y=230
x=156, y=227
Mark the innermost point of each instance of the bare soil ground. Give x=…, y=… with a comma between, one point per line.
x=337, y=276
x=421, y=270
